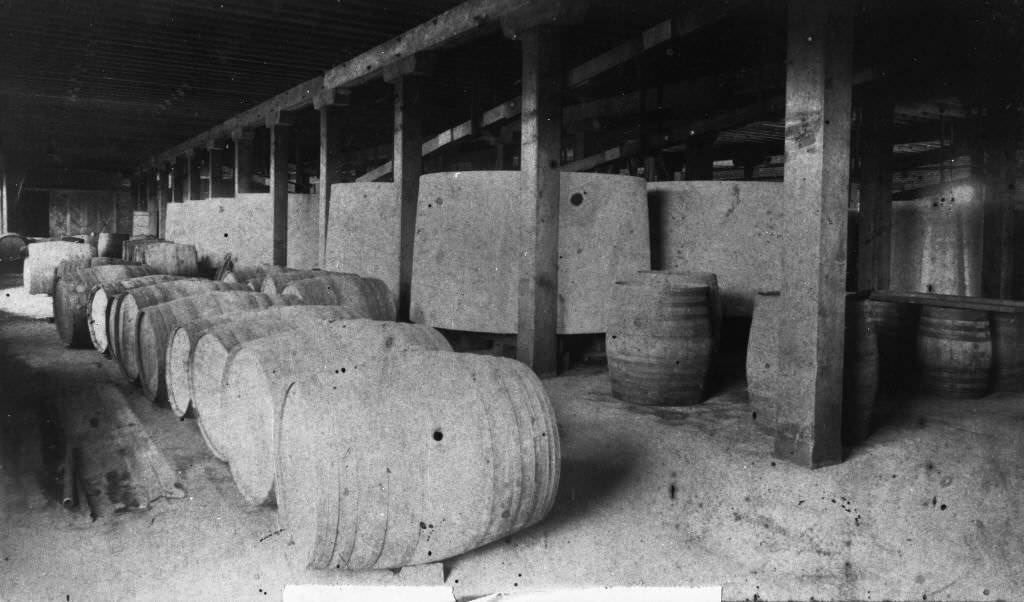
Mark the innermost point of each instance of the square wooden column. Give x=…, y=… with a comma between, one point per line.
x=280, y=141
x=541, y=145
x=218, y=185
x=152, y=179
x=163, y=197
x=407, y=166
x=242, y=140
x=180, y=179
x=193, y=182
x=816, y=199
x=997, y=156
x=874, y=150
x=331, y=106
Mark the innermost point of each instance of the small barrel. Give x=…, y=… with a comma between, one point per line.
x=172, y=258
x=1007, y=358
x=954, y=352
x=43, y=258
x=369, y=459
x=157, y=322
x=178, y=363
x=137, y=299
x=369, y=296
x=72, y=294
x=659, y=341
x=13, y=247
x=108, y=244
x=258, y=374
x=763, y=358
x=134, y=249
x=860, y=372
x=274, y=282
x=100, y=301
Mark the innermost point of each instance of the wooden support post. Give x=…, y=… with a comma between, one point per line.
x=163, y=191
x=280, y=140
x=180, y=179
x=998, y=153
x=875, y=169
x=407, y=164
x=243, y=143
x=811, y=327
x=194, y=184
x=541, y=144
x=215, y=152
x=152, y=178
x=331, y=109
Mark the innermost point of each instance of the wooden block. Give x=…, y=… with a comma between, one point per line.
x=729, y=228
x=363, y=231
x=466, y=264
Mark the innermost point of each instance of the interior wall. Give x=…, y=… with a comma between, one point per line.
x=363, y=224
x=77, y=212
x=243, y=226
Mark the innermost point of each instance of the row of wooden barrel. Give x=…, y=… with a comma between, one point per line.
x=319, y=401
x=953, y=353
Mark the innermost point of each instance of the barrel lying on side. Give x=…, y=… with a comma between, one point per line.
x=101, y=299
x=369, y=458
x=137, y=299
x=172, y=258
x=71, y=298
x=369, y=295
x=259, y=372
x=42, y=261
x=274, y=282
x=274, y=320
x=157, y=322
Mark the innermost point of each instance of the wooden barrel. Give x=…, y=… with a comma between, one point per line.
x=370, y=296
x=99, y=261
x=895, y=326
x=369, y=458
x=699, y=278
x=134, y=249
x=212, y=349
x=247, y=275
x=860, y=372
x=258, y=374
x=12, y=247
x=137, y=299
x=72, y=294
x=100, y=304
x=157, y=322
x=954, y=352
x=763, y=358
x=1007, y=357
x=172, y=258
x=108, y=244
x=43, y=258
x=274, y=282
x=659, y=341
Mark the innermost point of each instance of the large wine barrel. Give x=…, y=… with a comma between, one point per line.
x=172, y=258
x=157, y=322
x=72, y=294
x=895, y=326
x=209, y=357
x=274, y=282
x=658, y=341
x=954, y=352
x=134, y=250
x=137, y=299
x=763, y=358
x=369, y=296
x=108, y=244
x=12, y=247
x=369, y=459
x=1007, y=357
x=259, y=372
x=43, y=259
x=860, y=371
x=101, y=301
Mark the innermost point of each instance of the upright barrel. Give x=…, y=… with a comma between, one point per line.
x=895, y=326
x=101, y=299
x=108, y=244
x=954, y=352
x=274, y=320
x=369, y=296
x=43, y=258
x=156, y=323
x=860, y=371
x=659, y=341
x=72, y=294
x=259, y=373
x=1007, y=351
x=369, y=459
x=763, y=358
x=137, y=299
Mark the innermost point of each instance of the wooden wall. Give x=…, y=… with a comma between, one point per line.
x=75, y=212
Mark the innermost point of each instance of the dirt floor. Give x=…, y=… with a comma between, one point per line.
x=928, y=509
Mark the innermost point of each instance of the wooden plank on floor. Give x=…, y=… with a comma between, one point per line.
x=952, y=301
